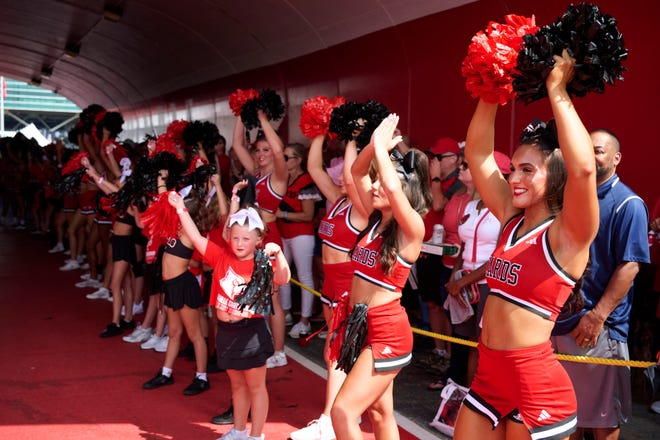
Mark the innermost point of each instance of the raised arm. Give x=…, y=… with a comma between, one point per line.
x=479, y=147
x=280, y=173
x=362, y=213
x=361, y=179
x=241, y=150
x=187, y=223
x=315, y=168
x=409, y=221
x=577, y=224
x=103, y=184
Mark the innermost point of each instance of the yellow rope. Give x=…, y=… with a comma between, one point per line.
x=562, y=357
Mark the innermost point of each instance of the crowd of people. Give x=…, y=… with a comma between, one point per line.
x=180, y=231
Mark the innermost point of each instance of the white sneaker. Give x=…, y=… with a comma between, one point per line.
x=323, y=335
x=85, y=276
x=101, y=293
x=138, y=309
x=88, y=283
x=288, y=319
x=161, y=347
x=140, y=334
x=109, y=298
x=655, y=407
x=67, y=252
x=299, y=328
x=59, y=247
x=233, y=434
x=84, y=266
x=80, y=258
x=319, y=429
x=70, y=265
x=151, y=342
x=278, y=359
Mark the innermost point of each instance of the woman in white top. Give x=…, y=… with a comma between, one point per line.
x=479, y=231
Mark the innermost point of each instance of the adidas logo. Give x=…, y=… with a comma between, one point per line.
x=386, y=350
x=531, y=240
x=543, y=416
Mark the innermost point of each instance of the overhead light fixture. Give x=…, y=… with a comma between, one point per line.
x=72, y=50
x=112, y=13
x=36, y=81
x=47, y=72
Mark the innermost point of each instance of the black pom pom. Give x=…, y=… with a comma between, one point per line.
x=70, y=182
x=268, y=101
x=590, y=37
x=198, y=179
x=355, y=120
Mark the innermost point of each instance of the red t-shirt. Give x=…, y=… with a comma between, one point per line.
x=230, y=277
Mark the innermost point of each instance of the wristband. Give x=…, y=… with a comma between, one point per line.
x=100, y=181
x=181, y=210
x=285, y=216
x=235, y=198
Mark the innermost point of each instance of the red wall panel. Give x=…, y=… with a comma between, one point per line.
x=414, y=69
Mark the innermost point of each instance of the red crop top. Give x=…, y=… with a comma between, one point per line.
x=336, y=229
x=365, y=263
x=523, y=271
x=267, y=198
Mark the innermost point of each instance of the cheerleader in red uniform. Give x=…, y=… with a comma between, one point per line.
x=381, y=260
x=338, y=230
x=549, y=209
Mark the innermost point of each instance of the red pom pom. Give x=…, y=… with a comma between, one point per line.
x=240, y=97
x=196, y=162
x=160, y=218
x=165, y=143
x=175, y=131
x=315, y=115
x=491, y=58
x=74, y=164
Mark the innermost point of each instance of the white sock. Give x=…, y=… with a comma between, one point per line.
x=201, y=376
x=167, y=372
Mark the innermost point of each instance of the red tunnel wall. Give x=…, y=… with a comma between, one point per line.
x=414, y=69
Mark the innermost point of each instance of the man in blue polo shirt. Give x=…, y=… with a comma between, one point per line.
x=600, y=327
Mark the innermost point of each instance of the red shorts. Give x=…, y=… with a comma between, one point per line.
x=390, y=336
x=273, y=234
x=337, y=280
x=530, y=380
x=87, y=202
x=70, y=203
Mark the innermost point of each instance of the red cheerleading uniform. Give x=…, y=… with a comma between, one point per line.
x=303, y=188
x=545, y=286
x=337, y=232
x=530, y=380
x=366, y=264
x=266, y=197
x=336, y=229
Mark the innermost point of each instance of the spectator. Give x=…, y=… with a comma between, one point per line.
x=600, y=327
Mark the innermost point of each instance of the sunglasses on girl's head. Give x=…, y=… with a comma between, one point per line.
x=287, y=157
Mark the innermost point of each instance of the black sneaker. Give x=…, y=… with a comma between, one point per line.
x=226, y=418
x=157, y=381
x=111, y=330
x=197, y=386
x=127, y=325
x=212, y=365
